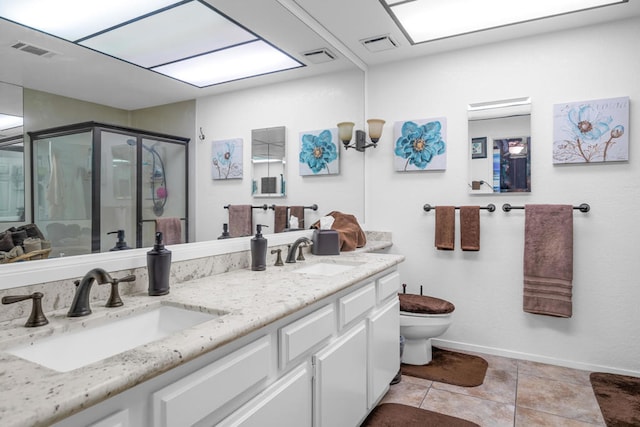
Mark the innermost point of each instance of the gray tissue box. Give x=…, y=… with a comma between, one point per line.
x=325, y=242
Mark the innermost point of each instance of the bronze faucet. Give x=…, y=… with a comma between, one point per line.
x=291, y=255
x=80, y=305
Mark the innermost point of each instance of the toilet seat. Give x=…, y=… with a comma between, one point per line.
x=416, y=305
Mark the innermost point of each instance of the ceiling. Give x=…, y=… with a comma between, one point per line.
x=295, y=26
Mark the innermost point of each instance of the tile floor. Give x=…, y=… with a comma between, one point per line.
x=514, y=393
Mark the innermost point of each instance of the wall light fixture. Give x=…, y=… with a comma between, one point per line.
x=345, y=133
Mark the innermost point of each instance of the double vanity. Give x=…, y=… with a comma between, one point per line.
x=313, y=343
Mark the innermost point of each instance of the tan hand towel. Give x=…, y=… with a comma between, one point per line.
x=240, y=220
x=171, y=230
x=470, y=228
x=298, y=212
x=445, y=227
x=279, y=219
x=548, y=260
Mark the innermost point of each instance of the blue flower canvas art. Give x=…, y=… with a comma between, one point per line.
x=591, y=131
x=319, y=154
x=420, y=145
x=226, y=159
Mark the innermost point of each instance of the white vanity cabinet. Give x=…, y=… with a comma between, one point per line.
x=326, y=365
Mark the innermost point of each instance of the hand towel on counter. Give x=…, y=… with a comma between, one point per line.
x=350, y=234
x=171, y=230
x=279, y=218
x=445, y=227
x=240, y=220
x=298, y=212
x=470, y=228
x=548, y=260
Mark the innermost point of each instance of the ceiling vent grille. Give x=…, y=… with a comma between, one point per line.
x=319, y=56
x=32, y=49
x=379, y=43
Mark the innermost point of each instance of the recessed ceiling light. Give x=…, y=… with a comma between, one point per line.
x=166, y=36
x=8, y=121
x=429, y=20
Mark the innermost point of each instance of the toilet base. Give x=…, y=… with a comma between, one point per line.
x=417, y=352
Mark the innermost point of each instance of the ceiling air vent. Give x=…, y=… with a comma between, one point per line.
x=32, y=49
x=319, y=56
x=379, y=43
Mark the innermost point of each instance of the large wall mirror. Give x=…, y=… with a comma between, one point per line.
x=500, y=146
x=12, y=195
x=268, y=162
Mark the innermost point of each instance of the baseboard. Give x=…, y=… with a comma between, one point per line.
x=454, y=345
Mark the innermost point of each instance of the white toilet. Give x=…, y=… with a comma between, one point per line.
x=422, y=318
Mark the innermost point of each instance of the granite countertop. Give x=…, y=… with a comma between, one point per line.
x=33, y=395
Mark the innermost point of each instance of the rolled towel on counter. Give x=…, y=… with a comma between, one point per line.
x=445, y=227
x=240, y=220
x=548, y=260
x=350, y=234
x=470, y=228
x=279, y=219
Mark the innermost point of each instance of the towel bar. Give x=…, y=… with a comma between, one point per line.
x=312, y=207
x=584, y=207
x=490, y=207
x=263, y=207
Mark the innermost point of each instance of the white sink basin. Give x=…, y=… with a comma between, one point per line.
x=326, y=268
x=76, y=348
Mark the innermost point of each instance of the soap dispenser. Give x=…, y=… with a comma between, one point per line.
x=259, y=250
x=158, y=267
x=120, y=244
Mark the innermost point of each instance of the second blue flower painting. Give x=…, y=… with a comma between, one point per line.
x=420, y=145
x=319, y=153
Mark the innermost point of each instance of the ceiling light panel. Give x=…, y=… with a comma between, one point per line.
x=8, y=121
x=75, y=19
x=427, y=20
x=194, y=29
x=247, y=60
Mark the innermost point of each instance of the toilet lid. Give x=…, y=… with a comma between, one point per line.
x=424, y=304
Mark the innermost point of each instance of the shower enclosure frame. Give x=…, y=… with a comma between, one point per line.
x=96, y=165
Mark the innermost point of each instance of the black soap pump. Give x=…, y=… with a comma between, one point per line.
x=158, y=267
x=120, y=244
x=259, y=250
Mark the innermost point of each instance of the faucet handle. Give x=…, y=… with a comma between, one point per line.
x=279, y=258
x=37, y=317
x=114, y=298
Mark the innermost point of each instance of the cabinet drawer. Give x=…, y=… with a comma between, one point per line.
x=388, y=285
x=304, y=334
x=201, y=393
x=356, y=304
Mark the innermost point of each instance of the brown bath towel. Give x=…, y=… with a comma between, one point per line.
x=445, y=227
x=279, y=219
x=298, y=212
x=470, y=228
x=240, y=220
x=171, y=230
x=548, y=260
x=350, y=235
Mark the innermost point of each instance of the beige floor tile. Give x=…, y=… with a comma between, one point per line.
x=564, y=399
x=407, y=392
x=484, y=412
x=528, y=417
x=558, y=373
x=499, y=386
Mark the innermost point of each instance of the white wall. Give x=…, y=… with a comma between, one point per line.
x=299, y=105
x=486, y=287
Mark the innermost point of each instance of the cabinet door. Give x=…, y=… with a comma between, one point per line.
x=287, y=403
x=340, y=388
x=384, y=349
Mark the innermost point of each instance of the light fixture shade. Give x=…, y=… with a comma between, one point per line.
x=345, y=131
x=375, y=129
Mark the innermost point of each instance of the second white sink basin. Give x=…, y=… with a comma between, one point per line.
x=76, y=348
x=326, y=268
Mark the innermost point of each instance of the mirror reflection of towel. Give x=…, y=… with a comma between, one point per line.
x=279, y=219
x=240, y=220
x=171, y=230
x=298, y=212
